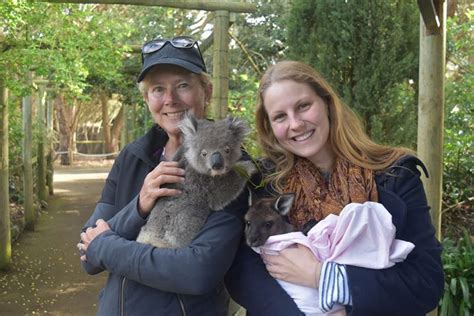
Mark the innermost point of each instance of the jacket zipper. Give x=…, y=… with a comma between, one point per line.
x=181, y=304
x=122, y=301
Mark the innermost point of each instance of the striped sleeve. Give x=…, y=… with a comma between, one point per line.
x=333, y=286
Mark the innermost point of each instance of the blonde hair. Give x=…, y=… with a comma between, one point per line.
x=347, y=136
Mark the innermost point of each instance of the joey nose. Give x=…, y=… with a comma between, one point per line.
x=217, y=162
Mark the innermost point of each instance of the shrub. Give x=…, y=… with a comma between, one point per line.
x=458, y=264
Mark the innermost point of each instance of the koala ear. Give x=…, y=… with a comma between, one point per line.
x=283, y=203
x=237, y=126
x=188, y=125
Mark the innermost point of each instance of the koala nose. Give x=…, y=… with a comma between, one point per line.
x=217, y=162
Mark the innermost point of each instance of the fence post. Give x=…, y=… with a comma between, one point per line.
x=41, y=165
x=30, y=215
x=220, y=68
x=5, y=233
x=49, y=133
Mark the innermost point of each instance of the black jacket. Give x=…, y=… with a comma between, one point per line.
x=144, y=280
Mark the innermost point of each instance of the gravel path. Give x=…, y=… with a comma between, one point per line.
x=46, y=277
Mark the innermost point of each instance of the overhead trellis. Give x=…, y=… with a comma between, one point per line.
x=222, y=10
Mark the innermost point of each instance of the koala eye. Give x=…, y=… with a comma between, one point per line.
x=248, y=223
x=268, y=224
x=227, y=150
x=204, y=153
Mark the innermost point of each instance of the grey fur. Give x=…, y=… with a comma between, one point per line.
x=209, y=154
x=265, y=218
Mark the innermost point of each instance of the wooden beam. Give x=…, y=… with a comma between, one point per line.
x=30, y=216
x=431, y=114
x=5, y=232
x=41, y=138
x=220, y=66
x=240, y=7
x=430, y=12
x=50, y=139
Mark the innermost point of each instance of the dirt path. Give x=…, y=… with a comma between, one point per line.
x=46, y=277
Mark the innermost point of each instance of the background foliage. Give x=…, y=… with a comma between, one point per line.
x=368, y=50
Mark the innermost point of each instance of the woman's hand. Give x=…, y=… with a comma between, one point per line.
x=165, y=172
x=88, y=236
x=295, y=265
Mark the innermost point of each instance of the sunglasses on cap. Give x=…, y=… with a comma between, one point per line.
x=184, y=42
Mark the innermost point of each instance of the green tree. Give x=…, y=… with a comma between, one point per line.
x=458, y=189
x=368, y=50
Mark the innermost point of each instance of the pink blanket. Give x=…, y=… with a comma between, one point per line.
x=362, y=235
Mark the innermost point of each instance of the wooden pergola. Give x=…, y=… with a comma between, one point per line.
x=431, y=91
x=222, y=11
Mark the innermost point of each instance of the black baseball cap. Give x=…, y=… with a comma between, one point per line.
x=189, y=58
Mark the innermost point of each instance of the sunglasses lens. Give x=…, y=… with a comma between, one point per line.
x=183, y=42
x=153, y=46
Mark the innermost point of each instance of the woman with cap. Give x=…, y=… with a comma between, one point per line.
x=317, y=148
x=144, y=280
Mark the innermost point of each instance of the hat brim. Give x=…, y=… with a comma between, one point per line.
x=169, y=61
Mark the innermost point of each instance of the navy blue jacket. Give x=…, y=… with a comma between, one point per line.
x=410, y=288
x=144, y=280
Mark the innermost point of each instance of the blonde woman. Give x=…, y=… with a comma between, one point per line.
x=144, y=280
x=316, y=147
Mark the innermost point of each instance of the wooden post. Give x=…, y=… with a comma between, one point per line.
x=30, y=215
x=431, y=111
x=50, y=149
x=220, y=67
x=41, y=164
x=5, y=233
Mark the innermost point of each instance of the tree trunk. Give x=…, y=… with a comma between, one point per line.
x=117, y=126
x=67, y=120
x=106, y=133
x=5, y=234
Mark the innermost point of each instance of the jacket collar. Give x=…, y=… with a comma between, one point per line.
x=149, y=147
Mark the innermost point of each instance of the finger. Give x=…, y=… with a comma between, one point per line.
x=85, y=238
x=168, y=192
x=99, y=221
x=166, y=178
x=272, y=259
x=171, y=167
x=83, y=258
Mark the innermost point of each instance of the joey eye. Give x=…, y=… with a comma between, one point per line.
x=268, y=224
x=248, y=223
x=227, y=150
x=203, y=153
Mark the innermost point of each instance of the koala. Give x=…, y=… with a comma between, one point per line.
x=210, y=155
x=265, y=218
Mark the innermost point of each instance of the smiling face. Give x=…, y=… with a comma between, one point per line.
x=299, y=120
x=170, y=92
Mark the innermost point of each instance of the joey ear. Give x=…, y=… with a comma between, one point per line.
x=283, y=203
x=188, y=125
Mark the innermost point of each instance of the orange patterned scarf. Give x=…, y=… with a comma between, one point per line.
x=316, y=198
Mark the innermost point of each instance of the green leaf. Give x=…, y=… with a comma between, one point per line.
x=465, y=290
x=452, y=286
